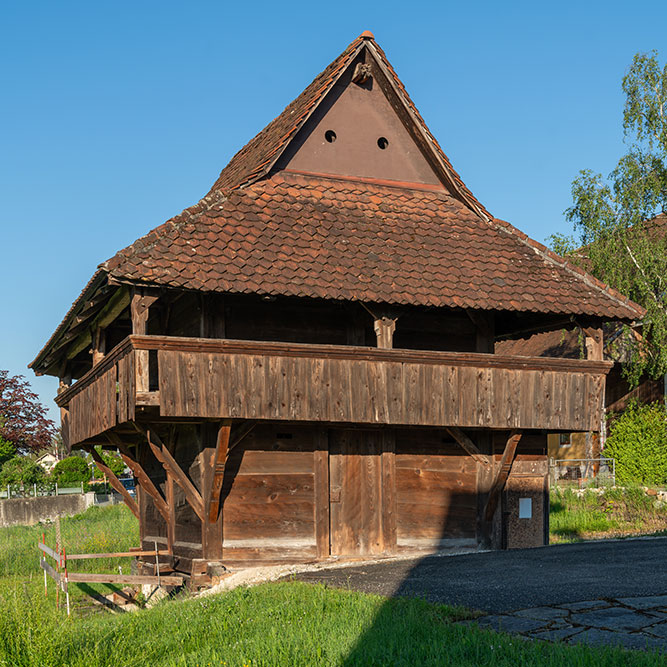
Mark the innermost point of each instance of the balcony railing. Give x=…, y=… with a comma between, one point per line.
x=212, y=378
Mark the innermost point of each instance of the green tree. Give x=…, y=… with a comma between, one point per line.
x=617, y=238
x=7, y=451
x=72, y=470
x=113, y=460
x=21, y=470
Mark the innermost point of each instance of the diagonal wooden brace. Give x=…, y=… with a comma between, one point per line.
x=169, y=463
x=223, y=446
x=468, y=445
x=140, y=474
x=114, y=481
x=503, y=473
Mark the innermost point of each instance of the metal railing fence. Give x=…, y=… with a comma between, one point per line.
x=582, y=472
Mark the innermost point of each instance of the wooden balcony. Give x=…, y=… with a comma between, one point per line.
x=217, y=379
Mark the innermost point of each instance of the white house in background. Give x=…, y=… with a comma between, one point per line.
x=47, y=461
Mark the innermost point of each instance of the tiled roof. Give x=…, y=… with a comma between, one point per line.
x=258, y=231
x=335, y=238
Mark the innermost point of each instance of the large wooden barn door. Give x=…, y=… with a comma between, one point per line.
x=355, y=492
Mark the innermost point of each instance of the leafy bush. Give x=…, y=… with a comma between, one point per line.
x=638, y=441
x=21, y=470
x=72, y=470
x=7, y=451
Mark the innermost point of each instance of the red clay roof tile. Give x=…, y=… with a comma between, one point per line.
x=447, y=257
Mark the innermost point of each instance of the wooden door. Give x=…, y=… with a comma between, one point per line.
x=355, y=492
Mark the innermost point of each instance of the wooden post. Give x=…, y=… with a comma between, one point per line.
x=321, y=470
x=594, y=344
x=219, y=461
x=388, y=493
x=139, y=310
x=99, y=345
x=384, y=330
x=164, y=456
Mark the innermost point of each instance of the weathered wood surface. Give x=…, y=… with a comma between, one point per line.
x=117, y=554
x=89, y=577
x=436, y=490
x=355, y=478
x=226, y=379
x=51, y=571
x=115, y=482
x=269, y=494
x=503, y=473
x=366, y=391
x=48, y=551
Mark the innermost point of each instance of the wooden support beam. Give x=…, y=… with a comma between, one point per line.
x=140, y=474
x=90, y=578
x=169, y=463
x=139, y=310
x=114, y=481
x=99, y=345
x=503, y=473
x=224, y=444
x=468, y=445
x=139, y=305
x=219, y=462
x=594, y=344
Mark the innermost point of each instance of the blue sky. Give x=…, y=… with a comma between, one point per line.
x=116, y=116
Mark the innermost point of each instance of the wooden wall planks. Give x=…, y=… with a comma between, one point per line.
x=365, y=391
x=436, y=490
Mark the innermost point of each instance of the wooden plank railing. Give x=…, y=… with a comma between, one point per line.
x=211, y=378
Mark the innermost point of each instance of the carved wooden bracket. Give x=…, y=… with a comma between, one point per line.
x=362, y=73
x=223, y=447
x=503, y=473
x=384, y=330
x=169, y=463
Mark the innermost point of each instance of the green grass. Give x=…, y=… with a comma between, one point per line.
x=287, y=623
x=97, y=530
x=614, y=513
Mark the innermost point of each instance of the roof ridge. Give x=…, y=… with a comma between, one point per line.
x=588, y=278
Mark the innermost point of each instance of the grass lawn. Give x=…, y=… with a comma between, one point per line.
x=287, y=623
x=614, y=513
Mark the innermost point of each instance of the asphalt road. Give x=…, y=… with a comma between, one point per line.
x=502, y=581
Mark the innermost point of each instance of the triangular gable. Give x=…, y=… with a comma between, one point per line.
x=277, y=145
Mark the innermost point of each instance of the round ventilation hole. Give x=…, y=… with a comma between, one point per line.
x=383, y=142
x=330, y=136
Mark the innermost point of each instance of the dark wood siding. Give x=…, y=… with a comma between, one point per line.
x=436, y=490
x=269, y=495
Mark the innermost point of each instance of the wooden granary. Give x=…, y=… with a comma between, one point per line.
x=301, y=365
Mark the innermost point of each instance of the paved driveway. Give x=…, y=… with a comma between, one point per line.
x=503, y=581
